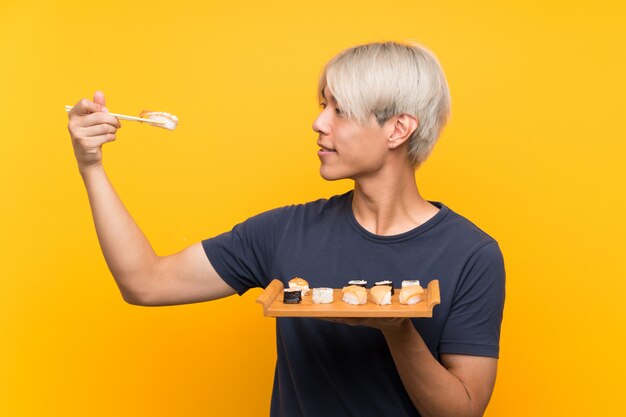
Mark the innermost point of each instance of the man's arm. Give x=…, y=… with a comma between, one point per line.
x=142, y=277
x=459, y=386
x=185, y=277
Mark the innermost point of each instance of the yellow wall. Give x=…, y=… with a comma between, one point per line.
x=534, y=154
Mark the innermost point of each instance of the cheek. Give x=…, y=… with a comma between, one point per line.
x=371, y=150
x=361, y=147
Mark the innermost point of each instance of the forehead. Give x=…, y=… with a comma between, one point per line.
x=328, y=95
x=371, y=122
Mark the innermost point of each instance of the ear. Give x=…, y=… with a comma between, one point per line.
x=403, y=126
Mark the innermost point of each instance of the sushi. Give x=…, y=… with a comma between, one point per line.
x=381, y=294
x=322, y=295
x=354, y=294
x=406, y=283
x=359, y=282
x=169, y=121
x=300, y=284
x=411, y=294
x=386, y=282
x=292, y=296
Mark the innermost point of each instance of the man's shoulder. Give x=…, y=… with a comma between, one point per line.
x=321, y=206
x=462, y=231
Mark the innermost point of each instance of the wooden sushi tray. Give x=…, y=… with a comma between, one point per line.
x=272, y=301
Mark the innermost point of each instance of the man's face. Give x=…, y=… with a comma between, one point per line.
x=347, y=149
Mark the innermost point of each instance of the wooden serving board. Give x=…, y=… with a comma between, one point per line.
x=272, y=301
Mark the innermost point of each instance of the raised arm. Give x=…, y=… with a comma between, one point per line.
x=143, y=277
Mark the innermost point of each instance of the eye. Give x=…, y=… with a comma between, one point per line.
x=323, y=105
x=338, y=111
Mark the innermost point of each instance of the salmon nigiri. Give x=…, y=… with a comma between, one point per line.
x=300, y=284
x=355, y=295
x=381, y=294
x=168, y=120
x=411, y=294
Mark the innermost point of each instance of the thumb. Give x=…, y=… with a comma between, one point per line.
x=98, y=98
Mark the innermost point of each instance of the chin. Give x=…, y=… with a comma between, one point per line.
x=335, y=173
x=330, y=175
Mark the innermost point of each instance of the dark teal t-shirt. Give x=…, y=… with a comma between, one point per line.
x=331, y=369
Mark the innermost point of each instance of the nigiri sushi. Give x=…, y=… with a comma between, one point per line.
x=386, y=282
x=300, y=284
x=411, y=294
x=355, y=295
x=169, y=121
x=381, y=294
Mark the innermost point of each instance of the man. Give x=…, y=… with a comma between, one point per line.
x=383, y=108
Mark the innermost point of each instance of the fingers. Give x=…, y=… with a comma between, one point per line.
x=374, y=322
x=90, y=126
x=92, y=113
x=87, y=142
x=100, y=118
x=98, y=98
x=98, y=141
x=339, y=320
x=97, y=130
x=84, y=107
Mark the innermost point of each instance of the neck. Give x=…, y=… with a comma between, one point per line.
x=389, y=203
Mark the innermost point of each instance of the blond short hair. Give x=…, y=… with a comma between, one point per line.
x=387, y=79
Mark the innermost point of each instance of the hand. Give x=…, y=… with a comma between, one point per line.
x=382, y=324
x=90, y=127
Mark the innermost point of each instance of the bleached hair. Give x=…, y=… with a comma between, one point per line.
x=388, y=79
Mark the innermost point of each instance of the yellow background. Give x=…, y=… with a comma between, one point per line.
x=534, y=155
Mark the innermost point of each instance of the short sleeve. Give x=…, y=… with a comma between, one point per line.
x=243, y=256
x=473, y=325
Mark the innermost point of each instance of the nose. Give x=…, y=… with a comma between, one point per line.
x=321, y=123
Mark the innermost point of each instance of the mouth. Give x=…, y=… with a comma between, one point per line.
x=325, y=149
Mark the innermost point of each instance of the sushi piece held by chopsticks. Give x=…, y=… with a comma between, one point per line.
x=159, y=119
x=169, y=120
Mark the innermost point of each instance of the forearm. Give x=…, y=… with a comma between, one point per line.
x=128, y=253
x=435, y=391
